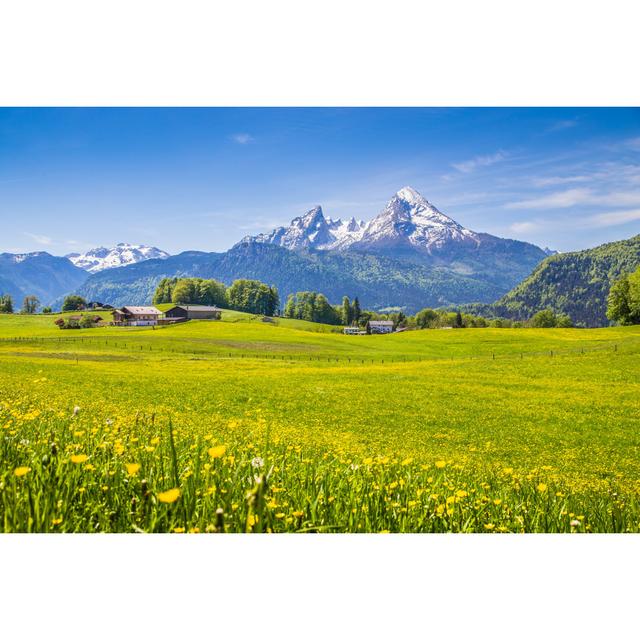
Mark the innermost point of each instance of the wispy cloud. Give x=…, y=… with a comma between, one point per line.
x=242, y=138
x=561, y=125
x=44, y=240
x=479, y=161
x=528, y=226
x=558, y=180
x=557, y=200
x=633, y=143
x=614, y=218
x=579, y=196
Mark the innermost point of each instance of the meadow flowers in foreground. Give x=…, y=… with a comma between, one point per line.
x=69, y=470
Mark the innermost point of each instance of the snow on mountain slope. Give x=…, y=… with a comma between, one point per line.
x=408, y=220
x=312, y=230
x=119, y=256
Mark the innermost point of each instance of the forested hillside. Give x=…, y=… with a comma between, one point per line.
x=379, y=281
x=574, y=283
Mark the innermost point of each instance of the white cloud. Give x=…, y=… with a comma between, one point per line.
x=578, y=196
x=558, y=200
x=524, y=227
x=242, y=138
x=479, y=161
x=556, y=180
x=45, y=240
x=614, y=218
x=561, y=125
x=633, y=143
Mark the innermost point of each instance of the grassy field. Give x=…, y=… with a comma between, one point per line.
x=244, y=425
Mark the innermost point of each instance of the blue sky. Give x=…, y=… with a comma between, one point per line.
x=179, y=179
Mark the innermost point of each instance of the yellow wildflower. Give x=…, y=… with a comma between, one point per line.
x=79, y=458
x=169, y=496
x=22, y=471
x=132, y=468
x=542, y=487
x=441, y=464
x=217, y=452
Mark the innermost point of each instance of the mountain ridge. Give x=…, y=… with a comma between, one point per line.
x=576, y=283
x=122, y=254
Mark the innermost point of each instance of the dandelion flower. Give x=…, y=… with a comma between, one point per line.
x=542, y=487
x=79, y=458
x=178, y=530
x=441, y=464
x=22, y=471
x=169, y=496
x=217, y=452
x=132, y=468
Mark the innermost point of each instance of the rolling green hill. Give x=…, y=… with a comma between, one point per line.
x=576, y=283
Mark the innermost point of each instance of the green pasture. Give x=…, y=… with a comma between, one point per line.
x=543, y=421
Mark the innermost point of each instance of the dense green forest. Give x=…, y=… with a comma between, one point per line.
x=576, y=284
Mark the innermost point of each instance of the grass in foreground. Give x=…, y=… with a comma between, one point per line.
x=539, y=444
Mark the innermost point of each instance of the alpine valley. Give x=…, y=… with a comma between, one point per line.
x=409, y=256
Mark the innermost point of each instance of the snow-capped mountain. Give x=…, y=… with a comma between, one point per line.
x=312, y=230
x=411, y=221
x=408, y=220
x=121, y=255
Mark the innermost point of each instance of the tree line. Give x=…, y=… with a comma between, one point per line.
x=623, y=303
x=251, y=296
x=30, y=305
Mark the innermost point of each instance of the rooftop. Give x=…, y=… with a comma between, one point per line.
x=143, y=310
x=196, y=307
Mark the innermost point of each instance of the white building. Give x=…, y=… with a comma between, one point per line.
x=380, y=326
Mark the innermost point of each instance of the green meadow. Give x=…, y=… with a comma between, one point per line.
x=243, y=425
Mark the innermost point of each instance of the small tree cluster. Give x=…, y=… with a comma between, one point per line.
x=6, y=304
x=351, y=312
x=191, y=291
x=74, y=303
x=311, y=306
x=547, y=319
x=30, y=305
x=85, y=322
x=253, y=296
x=623, y=303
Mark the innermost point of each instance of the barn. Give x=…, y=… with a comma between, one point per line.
x=136, y=316
x=193, y=312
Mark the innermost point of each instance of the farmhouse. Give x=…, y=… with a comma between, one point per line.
x=194, y=312
x=136, y=316
x=380, y=326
